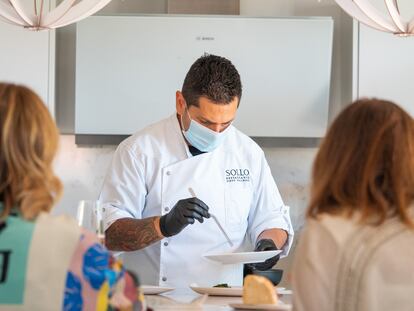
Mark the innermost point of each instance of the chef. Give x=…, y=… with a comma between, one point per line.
x=167, y=180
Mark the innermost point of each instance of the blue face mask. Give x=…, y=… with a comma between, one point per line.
x=202, y=137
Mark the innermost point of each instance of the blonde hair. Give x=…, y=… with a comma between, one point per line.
x=366, y=164
x=28, y=144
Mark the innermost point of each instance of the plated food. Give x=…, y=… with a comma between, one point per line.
x=259, y=294
x=222, y=285
x=258, y=290
x=230, y=291
x=218, y=291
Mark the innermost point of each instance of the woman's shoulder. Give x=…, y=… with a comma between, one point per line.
x=336, y=228
x=61, y=223
x=65, y=224
x=328, y=222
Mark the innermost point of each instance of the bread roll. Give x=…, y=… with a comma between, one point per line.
x=258, y=290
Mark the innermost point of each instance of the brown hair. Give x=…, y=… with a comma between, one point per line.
x=366, y=164
x=28, y=143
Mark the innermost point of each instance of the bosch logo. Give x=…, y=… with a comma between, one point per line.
x=203, y=38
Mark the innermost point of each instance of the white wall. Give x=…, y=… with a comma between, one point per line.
x=82, y=169
x=34, y=52
x=385, y=63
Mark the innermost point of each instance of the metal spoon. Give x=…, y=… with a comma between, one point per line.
x=215, y=219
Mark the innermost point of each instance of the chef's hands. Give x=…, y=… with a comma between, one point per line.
x=184, y=213
x=265, y=245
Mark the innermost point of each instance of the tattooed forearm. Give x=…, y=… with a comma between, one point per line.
x=128, y=234
x=279, y=236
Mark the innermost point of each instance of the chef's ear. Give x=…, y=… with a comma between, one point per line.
x=180, y=102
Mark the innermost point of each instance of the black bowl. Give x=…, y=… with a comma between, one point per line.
x=274, y=275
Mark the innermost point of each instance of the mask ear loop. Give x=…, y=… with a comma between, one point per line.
x=181, y=122
x=181, y=118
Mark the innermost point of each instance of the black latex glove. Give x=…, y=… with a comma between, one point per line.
x=184, y=213
x=265, y=245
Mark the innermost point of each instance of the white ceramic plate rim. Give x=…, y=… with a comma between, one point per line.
x=242, y=257
x=219, y=291
x=261, y=307
x=155, y=290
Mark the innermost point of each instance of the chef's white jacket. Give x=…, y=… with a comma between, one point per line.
x=153, y=169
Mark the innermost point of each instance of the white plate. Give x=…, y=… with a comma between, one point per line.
x=219, y=291
x=278, y=307
x=235, y=291
x=244, y=257
x=155, y=290
x=284, y=291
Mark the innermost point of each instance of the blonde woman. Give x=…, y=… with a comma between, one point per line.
x=46, y=263
x=356, y=251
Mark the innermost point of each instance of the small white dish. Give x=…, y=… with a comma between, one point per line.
x=234, y=291
x=155, y=290
x=243, y=257
x=278, y=307
x=284, y=291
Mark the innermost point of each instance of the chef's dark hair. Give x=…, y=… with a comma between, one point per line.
x=213, y=77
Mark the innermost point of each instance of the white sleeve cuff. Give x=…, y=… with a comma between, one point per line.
x=112, y=214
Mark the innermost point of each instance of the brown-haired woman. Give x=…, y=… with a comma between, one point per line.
x=46, y=263
x=356, y=251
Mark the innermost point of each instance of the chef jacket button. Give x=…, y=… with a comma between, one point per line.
x=165, y=243
x=168, y=173
x=166, y=209
x=164, y=279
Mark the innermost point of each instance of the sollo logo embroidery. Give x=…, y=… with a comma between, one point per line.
x=237, y=175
